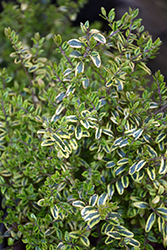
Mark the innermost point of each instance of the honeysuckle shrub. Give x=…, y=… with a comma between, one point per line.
x=83, y=141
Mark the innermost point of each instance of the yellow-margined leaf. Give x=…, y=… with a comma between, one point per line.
x=94, y=221
x=114, y=235
x=160, y=137
x=73, y=143
x=132, y=242
x=78, y=203
x=163, y=167
x=138, y=133
x=162, y=210
x=110, y=190
x=48, y=142
x=59, y=141
x=152, y=152
x=125, y=181
x=119, y=187
x=85, y=240
x=78, y=132
x=95, y=58
x=107, y=132
x=79, y=68
x=110, y=164
x=161, y=224
x=140, y=165
x=99, y=37
x=54, y=211
x=109, y=240
x=102, y=199
x=123, y=161
x=151, y=172
x=150, y=222
x=141, y=204
x=71, y=118
x=60, y=108
x=87, y=210
x=90, y=215
x=93, y=200
x=98, y=133
x=144, y=67
x=75, y=43
x=124, y=231
x=75, y=234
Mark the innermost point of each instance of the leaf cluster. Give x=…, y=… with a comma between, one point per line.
x=83, y=153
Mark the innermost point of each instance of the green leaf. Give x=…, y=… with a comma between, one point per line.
x=93, y=200
x=150, y=222
x=163, y=167
x=75, y=43
x=102, y=199
x=54, y=211
x=94, y=221
x=140, y=204
x=78, y=203
x=85, y=241
x=162, y=210
x=95, y=58
x=103, y=11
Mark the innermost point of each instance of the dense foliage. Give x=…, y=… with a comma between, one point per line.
x=83, y=141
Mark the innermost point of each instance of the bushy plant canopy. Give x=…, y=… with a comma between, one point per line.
x=83, y=141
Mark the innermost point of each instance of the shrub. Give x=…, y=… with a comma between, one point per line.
x=83, y=142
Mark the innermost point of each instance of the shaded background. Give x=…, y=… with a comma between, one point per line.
x=153, y=13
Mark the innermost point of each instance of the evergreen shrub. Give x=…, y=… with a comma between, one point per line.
x=83, y=141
